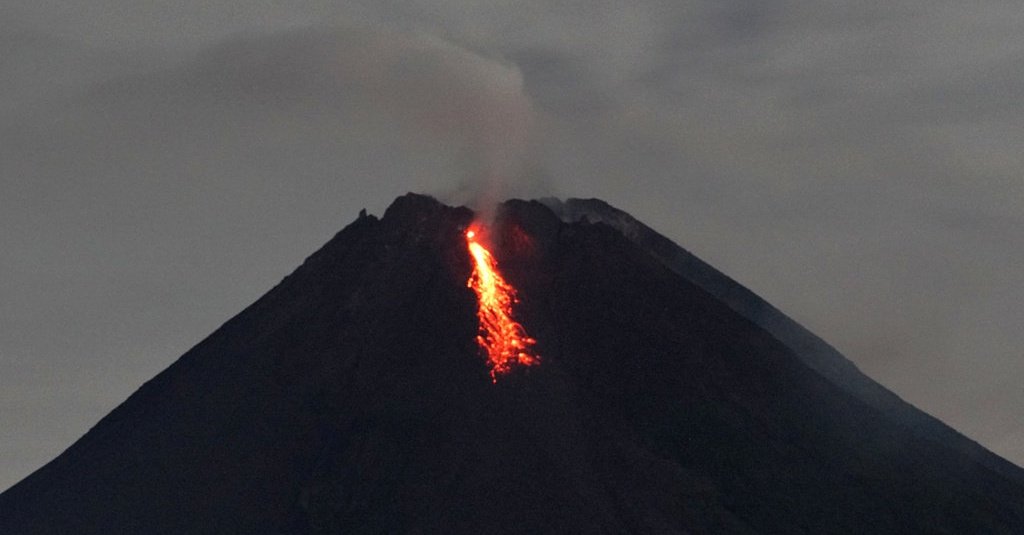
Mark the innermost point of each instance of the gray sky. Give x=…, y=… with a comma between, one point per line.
x=163, y=164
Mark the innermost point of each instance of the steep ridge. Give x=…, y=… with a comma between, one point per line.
x=814, y=351
x=352, y=398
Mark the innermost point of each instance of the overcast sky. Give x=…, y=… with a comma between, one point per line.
x=163, y=164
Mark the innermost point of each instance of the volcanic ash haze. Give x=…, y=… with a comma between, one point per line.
x=354, y=397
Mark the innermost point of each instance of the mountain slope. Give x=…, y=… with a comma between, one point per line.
x=352, y=399
x=814, y=351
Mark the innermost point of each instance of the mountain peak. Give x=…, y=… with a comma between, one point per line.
x=354, y=397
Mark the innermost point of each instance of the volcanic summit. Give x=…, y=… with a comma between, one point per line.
x=646, y=393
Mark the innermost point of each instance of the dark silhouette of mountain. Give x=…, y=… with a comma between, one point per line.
x=352, y=398
x=814, y=351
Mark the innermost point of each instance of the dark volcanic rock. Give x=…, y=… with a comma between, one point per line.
x=814, y=351
x=352, y=399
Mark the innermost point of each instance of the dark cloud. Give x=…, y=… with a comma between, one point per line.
x=164, y=164
x=561, y=84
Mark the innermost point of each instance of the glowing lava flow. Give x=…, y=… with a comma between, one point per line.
x=504, y=339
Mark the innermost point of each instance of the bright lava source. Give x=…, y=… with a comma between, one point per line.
x=503, y=339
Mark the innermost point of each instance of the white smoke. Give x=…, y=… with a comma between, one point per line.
x=443, y=89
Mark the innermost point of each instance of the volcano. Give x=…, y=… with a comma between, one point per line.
x=356, y=397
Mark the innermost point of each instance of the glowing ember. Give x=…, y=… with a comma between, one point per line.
x=504, y=339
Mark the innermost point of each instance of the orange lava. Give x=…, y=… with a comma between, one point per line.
x=503, y=339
